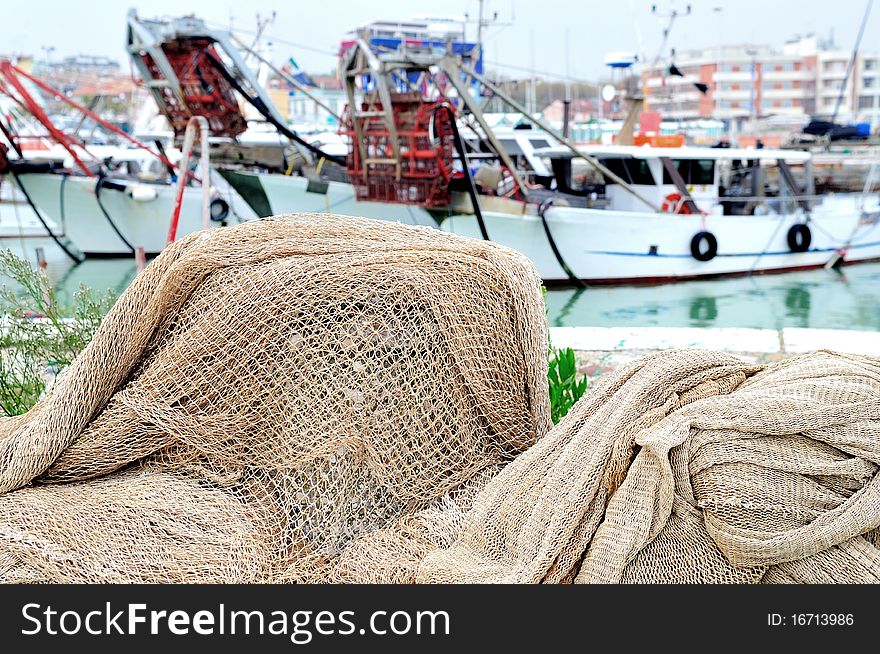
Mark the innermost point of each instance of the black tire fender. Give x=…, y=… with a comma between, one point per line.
x=799, y=238
x=218, y=210
x=704, y=246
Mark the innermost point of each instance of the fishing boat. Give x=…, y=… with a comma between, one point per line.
x=420, y=151
x=276, y=193
x=112, y=201
x=120, y=199
x=116, y=214
x=716, y=217
x=652, y=214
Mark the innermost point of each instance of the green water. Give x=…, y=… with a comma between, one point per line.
x=99, y=274
x=849, y=299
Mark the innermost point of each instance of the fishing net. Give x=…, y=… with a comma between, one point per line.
x=263, y=396
x=691, y=467
x=325, y=400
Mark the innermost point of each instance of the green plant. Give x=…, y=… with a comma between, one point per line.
x=566, y=386
x=39, y=336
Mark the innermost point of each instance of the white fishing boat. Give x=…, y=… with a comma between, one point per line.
x=127, y=206
x=108, y=200
x=122, y=214
x=716, y=225
x=273, y=194
x=17, y=220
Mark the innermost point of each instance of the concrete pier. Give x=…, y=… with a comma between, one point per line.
x=601, y=349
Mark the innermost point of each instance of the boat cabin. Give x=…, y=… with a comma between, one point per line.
x=730, y=181
x=524, y=145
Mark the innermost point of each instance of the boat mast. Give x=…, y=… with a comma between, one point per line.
x=450, y=66
x=480, y=30
x=852, y=60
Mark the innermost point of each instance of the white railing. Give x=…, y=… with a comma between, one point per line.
x=188, y=142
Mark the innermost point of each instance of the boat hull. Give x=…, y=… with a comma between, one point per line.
x=17, y=220
x=288, y=194
x=618, y=247
x=141, y=223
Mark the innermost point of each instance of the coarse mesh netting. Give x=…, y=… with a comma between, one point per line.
x=318, y=399
x=265, y=395
x=690, y=467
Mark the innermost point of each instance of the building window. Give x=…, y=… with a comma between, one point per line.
x=870, y=64
x=776, y=86
x=866, y=101
x=869, y=82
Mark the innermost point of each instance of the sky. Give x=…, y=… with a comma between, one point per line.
x=566, y=38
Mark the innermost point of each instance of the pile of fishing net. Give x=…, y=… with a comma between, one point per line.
x=318, y=399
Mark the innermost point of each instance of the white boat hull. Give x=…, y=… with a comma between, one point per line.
x=141, y=223
x=604, y=246
x=17, y=220
x=287, y=194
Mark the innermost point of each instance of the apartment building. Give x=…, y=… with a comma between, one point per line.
x=804, y=78
x=868, y=98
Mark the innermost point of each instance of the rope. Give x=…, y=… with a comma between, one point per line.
x=61, y=202
x=779, y=222
x=36, y=211
x=260, y=106
x=472, y=190
x=100, y=183
x=542, y=209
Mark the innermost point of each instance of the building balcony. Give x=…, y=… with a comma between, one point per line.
x=743, y=76
x=657, y=82
x=782, y=111
x=682, y=115
x=741, y=94
x=727, y=114
x=785, y=76
x=833, y=92
x=783, y=94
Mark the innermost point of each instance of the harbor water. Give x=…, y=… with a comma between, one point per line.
x=848, y=298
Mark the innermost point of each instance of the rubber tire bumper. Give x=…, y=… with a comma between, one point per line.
x=799, y=238
x=711, y=249
x=218, y=209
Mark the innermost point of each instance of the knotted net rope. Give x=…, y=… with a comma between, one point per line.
x=317, y=399
x=264, y=395
x=691, y=467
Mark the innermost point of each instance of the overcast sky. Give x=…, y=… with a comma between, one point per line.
x=536, y=39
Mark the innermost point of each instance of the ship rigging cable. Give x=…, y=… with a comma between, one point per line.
x=542, y=209
x=43, y=222
x=258, y=104
x=472, y=191
x=103, y=183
